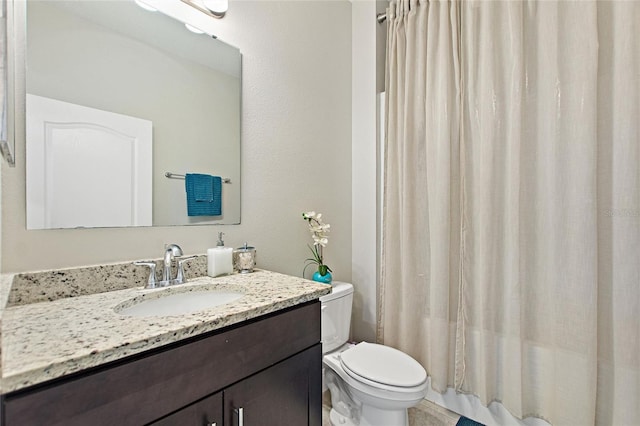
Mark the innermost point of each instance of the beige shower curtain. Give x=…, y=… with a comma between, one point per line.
x=511, y=229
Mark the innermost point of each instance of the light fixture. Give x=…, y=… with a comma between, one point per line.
x=145, y=6
x=214, y=8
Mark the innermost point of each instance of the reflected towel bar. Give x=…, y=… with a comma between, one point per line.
x=178, y=176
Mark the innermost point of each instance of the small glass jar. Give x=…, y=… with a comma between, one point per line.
x=244, y=259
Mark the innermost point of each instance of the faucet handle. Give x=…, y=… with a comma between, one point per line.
x=151, y=282
x=180, y=278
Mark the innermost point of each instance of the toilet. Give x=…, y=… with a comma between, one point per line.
x=370, y=384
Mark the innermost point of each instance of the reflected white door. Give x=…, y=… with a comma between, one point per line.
x=86, y=167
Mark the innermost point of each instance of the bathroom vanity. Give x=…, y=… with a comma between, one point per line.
x=254, y=361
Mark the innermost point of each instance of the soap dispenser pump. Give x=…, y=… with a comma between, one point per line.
x=219, y=259
x=220, y=240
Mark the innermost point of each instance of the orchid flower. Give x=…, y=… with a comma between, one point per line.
x=319, y=232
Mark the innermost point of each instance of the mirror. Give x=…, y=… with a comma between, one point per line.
x=122, y=103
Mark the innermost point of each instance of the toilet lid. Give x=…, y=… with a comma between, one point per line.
x=383, y=364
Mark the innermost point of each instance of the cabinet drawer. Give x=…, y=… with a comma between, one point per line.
x=141, y=389
x=207, y=412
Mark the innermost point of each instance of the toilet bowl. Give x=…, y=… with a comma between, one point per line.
x=370, y=384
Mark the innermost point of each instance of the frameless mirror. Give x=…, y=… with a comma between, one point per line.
x=121, y=104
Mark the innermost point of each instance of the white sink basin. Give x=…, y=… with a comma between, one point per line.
x=180, y=303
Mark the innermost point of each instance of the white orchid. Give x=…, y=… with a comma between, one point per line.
x=319, y=232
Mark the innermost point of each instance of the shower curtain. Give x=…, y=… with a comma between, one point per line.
x=511, y=223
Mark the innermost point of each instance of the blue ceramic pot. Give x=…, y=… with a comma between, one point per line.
x=326, y=279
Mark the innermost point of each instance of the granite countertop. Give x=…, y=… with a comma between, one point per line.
x=46, y=340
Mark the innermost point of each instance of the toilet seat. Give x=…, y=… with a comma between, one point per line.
x=333, y=362
x=382, y=365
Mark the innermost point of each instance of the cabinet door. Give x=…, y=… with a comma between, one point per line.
x=289, y=393
x=207, y=412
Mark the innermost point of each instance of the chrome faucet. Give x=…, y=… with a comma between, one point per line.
x=170, y=251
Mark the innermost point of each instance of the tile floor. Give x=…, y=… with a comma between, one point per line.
x=325, y=415
x=326, y=408
x=429, y=414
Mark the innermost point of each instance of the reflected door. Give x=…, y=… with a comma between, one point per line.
x=86, y=167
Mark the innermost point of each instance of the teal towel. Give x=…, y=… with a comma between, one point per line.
x=204, y=194
x=202, y=187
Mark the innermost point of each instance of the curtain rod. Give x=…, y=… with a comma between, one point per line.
x=381, y=17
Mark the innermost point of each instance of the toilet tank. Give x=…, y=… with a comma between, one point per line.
x=336, y=316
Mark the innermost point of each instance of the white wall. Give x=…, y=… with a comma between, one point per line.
x=364, y=264
x=368, y=68
x=296, y=151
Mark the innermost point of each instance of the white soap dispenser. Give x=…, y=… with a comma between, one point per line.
x=219, y=259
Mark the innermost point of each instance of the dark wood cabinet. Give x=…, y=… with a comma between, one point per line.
x=281, y=395
x=270, y=367
x=207, y=412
